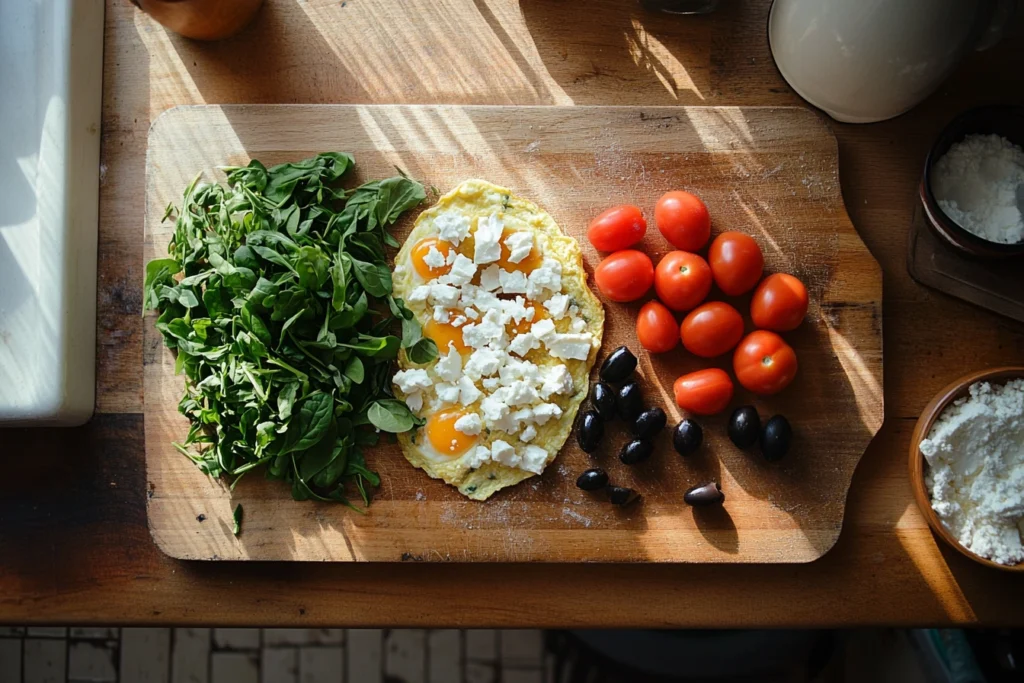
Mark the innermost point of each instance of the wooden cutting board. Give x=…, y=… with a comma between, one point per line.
x=770, y=172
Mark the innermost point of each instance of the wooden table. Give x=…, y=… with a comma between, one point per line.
x=74, y=545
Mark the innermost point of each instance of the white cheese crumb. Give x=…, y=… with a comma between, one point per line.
x=513, y=310
x=482, y=363
x=490, y=383
x=578, y=325
x=489, y=278
x=462, y=271
x=543, y=329
x=528, y=434
x=458, y=321
x=557, y=380
x=471, y=313
x=452, y=227
x=503, y=452
x=487, y=239
x=418, y=295
x=512, y=283
x=469, y=424
x=441, y=314
x=468, y=393
x=569, y=346
x=434, y=258
x=521, y=393
x=523, y=344
x=533, y=459
x=412, y=380
x=447, y=393
x=557, y=305
x=449, y=367
x=477, y=457
x=546, y=411
x=414, y=401
x=444, y=295
x=547, y=277
x=488, y=330
x=519, y=244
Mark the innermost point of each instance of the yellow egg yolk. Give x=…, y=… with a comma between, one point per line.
x=419, y=254
x=524, y=325
x=443, y=435
x=532, y=261
x=444, y=334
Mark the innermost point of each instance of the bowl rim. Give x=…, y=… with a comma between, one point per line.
x=929, y=415
x=951, y=231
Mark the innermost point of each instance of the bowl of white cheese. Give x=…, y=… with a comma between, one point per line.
x=967, y=466
x=972, y=189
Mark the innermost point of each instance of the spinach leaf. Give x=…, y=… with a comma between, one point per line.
x=390, y=415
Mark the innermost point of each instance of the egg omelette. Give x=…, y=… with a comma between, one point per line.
x=501, y=290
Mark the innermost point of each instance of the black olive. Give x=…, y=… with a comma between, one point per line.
x=687, y=437
x=636, y=451
x=603, y=398
x=620, y=495
x=590, y=431
x=618, y=366
x=704, y=494
x=744, y=426
x=649, y=423
x=592, y=480
x=775, y=438
x=630, y=401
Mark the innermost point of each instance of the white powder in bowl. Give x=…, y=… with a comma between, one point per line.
x=975, y=474
x=979, y=184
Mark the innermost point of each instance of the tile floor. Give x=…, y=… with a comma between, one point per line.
x=244, y=655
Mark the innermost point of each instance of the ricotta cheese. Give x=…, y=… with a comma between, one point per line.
x=975, y=474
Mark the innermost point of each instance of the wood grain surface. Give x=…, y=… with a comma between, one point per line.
x=74, y=542
x=769, y=172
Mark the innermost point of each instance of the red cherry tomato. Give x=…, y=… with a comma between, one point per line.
x=625, y=275
x=656, y=328
x=617, y=228
x=736, y=262
x=682, y=280
x=779, y=303
x=764, y=363
x=704, y=392
x=712, y=329
x=683, y=219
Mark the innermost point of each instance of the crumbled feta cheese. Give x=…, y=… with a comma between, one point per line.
x=528, y=434
x=545, y=411
x=490, y=383
x=418, y=295
x=497, y=412
x=489, y=279
x=447, y=393
x=521, y=393
x=444, y=295
x=543, y=329
x=514, y=370
x=483, y=363
x=512, y=283
x=469, y=424
x=523, y=344
x=471, y=313
x=503, y=452
x=414, y=401
x=479, y=298
x=449, y=367
x=557, y=380
x=441, y=314
x=468, y=393
x=477, y=457
x=450, y=259
x=557, y=305
x=487, y=239
x=488, y=330
x=578, y=325
x=547, y=277
x=523, y=415
x=513, y=310
x=434, y=258
x=519, y=244
x=462, y=271
x=569, y=346
x=412, y=380
x=533, y=459
x=458, y=321
x=452, y=227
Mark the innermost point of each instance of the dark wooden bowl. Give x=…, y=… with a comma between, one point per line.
x=924, y=424
x=1006, y=121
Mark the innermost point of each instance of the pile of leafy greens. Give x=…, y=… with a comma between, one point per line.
x=277, y=299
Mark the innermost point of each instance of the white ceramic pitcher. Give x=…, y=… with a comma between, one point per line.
x=869, y=60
